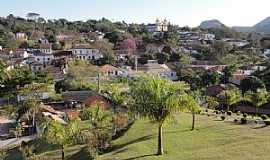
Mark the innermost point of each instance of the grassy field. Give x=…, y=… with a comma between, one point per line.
x=212, y=140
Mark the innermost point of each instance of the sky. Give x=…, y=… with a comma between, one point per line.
x=180, y=12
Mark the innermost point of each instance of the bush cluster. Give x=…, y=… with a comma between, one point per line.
x=264, y=117
x=223, y=118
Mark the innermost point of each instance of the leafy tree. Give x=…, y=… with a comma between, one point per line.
x=220, y=49
x=229, y=97
x=4, y=75
x=212, y=102
x=158, y=99
x=185, y=59
x=106, y=48
x=257, y=98
x=162, y=58
x=175, y=57
x=227, y=74
x=251, y=84
x=114, y=37
x=32, y=16
x=210, y=78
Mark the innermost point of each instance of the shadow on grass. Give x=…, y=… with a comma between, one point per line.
x=120, y=151
x=121, y=146
x=178, y=131
x=219, y=120
x=143, y=156
x=41, y=146
x=13, y=154
x=260, y=127
x=82, y=154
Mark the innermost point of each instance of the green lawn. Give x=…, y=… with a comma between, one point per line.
x=213, y=140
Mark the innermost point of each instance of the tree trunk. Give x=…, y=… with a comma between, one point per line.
x=193, y=121
x=160, y=147
x=63, y=152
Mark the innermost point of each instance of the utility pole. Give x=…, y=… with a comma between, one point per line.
x=136, y=63
x=98, y=83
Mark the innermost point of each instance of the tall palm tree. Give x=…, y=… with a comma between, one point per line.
x=60, y=134
x=192, y=104
x=158, y=99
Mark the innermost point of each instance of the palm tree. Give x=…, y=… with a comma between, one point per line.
x=30, y=106
x=158, y=99
x=100, y=124
x=62, y=135
x=99, y=119
x=192, y=104
x=257, y=98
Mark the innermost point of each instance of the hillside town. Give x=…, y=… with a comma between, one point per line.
x=97, y=77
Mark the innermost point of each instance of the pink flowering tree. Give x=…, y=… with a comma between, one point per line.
x=128, y=45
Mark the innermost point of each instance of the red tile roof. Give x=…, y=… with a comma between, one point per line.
x=45, y=46
x=97, y=100
x=107, y=68
x=72, y=114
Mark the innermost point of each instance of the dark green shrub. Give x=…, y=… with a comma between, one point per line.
x=266, y=122
x=222, y=118
x=245, y=115
x=243, y=121
x=264, y=117
x=229, y=113
x=206, y=110
x=235, y=120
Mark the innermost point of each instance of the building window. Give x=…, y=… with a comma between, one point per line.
x=48, y=59
x=38, y=59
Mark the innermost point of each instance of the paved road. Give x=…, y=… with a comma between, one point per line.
x=15, y=141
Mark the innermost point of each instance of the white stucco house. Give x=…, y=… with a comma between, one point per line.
x=45, y=48
x=152, y=67
x=86, y=52
x=109, y=70
x=43, y=58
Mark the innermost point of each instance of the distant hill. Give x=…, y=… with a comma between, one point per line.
x=211, y=24
x=263, y=26
x=219, y=29
x=243, y=29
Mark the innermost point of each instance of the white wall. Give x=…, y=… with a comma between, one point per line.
x=87, y=54
x=44, y=59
